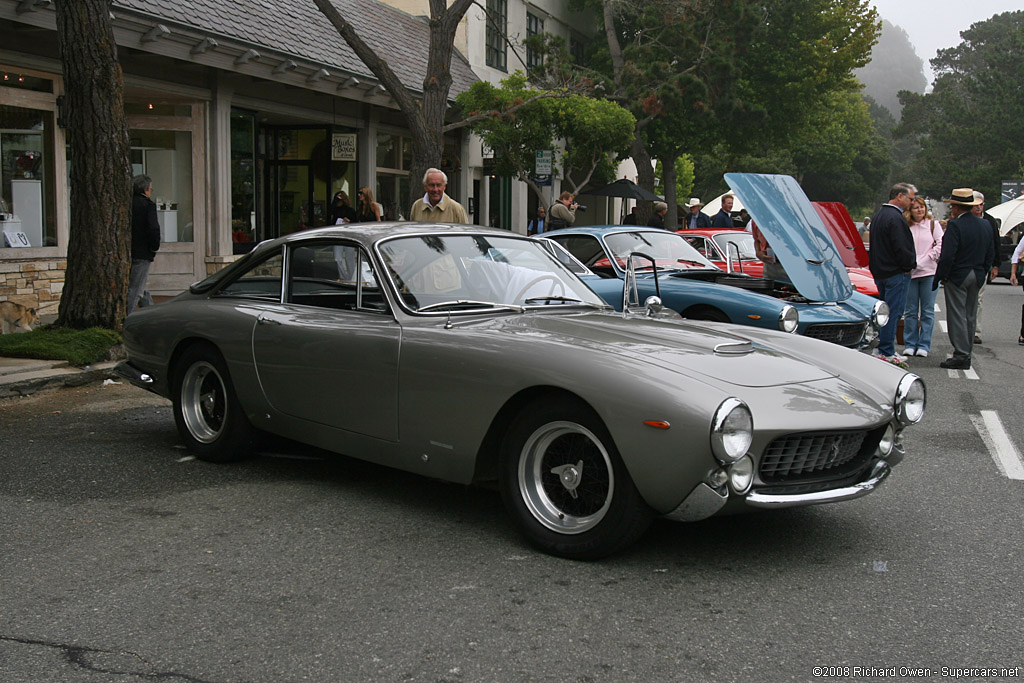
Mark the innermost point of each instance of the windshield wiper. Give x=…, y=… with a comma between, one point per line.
x=563, y=299
x=469, y=303
x=692, y=262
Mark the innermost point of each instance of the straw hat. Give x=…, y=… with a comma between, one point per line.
x=964, y=196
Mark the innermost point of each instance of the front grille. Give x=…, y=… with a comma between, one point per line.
x=844, y=334
x=817, y=455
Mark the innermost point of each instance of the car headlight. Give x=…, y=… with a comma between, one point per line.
x=789, y=319
x=732, y=430
x=880, y=314
x=741, y=475
x=910, y=400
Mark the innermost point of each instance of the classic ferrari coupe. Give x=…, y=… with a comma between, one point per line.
x=475, y=356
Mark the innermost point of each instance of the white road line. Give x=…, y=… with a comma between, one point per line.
x=998, y=442
x=937, y=309
x=942, y=324
x=971, y=374
x=954, y=374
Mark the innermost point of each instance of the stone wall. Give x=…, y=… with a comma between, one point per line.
x=36, y=283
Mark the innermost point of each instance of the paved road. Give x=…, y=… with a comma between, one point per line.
x=124, y=559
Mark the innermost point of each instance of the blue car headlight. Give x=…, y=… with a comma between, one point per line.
x=910, y=400
x=880, y=314
x=789, y=319
x=732, y=431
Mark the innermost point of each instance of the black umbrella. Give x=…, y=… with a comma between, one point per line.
x=624, y=187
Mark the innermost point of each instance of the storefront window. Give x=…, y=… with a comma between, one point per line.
x=166, y=157
x=243, y=180
x=26, y=176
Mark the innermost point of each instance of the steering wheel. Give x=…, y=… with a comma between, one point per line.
x=537, y=281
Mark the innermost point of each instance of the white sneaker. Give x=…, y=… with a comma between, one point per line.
x=897, y=358
x=923, y=353
x=910, y=352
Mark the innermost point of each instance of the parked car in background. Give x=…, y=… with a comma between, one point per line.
x=472, y=355
x=731, y=250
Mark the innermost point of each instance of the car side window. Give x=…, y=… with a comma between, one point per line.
x=700, y=243
x=588, y=250
x=333, y=275
x=261, y=280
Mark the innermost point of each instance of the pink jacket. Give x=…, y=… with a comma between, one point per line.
x=927, y=243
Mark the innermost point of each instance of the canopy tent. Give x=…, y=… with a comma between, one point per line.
x=1011, y=213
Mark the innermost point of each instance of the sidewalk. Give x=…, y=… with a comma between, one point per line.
x=24, y=376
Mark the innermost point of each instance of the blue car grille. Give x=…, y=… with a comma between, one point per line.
x=844, y=334
x=817, y=455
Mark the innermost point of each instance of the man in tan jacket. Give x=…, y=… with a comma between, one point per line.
x=436, y=206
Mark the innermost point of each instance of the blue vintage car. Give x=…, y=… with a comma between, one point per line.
x=819, y=301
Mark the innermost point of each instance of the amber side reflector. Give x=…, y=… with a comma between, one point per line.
x=754, y=317
x=657, y=424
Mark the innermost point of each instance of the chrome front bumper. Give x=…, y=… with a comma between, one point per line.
x=878, y=474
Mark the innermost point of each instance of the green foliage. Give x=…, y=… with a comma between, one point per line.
x=518, y=120
x=78, y=347
x=968, y=125
x=684, y=177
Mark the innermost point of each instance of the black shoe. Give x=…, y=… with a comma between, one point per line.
x=955, y=364
x=1020, y=340
x=977, y=339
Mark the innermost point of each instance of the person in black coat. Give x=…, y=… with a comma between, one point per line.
x=964, y=264
x=979, y=211
x=723, y=219
x=145, y=242
x=657, y=219
x=695, y=218
x=891, y=257
x=341, y=209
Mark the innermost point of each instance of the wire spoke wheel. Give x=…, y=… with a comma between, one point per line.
x=566, y=477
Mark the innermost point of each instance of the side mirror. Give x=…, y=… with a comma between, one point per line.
x=654, y=306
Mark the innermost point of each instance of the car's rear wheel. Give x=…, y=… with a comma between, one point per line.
x=565, y=484
x=206, y=409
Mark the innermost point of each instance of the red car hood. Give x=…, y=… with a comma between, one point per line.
x=844, y=233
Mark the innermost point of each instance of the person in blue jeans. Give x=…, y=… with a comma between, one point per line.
x=919, y=318
x=891, y=259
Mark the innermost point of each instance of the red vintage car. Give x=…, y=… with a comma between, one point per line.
x=715, y=243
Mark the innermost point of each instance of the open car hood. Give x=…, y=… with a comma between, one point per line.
x=795, y=232
x=844, y=233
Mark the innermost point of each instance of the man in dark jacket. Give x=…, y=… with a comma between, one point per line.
x=145, y=242
x=695, y=219
x=891, y=258
x=964, y=264
x=723, y=219
x=657, y=219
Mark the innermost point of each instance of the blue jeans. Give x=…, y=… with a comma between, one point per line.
x=920, y=311
x=893, y=290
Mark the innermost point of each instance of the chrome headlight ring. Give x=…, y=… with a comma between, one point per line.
x=732, y=431
x=911, y=396
x=880, y=314
x=789, y=319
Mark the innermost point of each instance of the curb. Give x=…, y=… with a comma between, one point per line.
x=55, y=377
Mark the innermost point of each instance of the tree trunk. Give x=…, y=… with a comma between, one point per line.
x=645, y=177
x=668, y=169
x=99, y=256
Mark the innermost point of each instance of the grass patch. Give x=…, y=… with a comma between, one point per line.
x=78, y=347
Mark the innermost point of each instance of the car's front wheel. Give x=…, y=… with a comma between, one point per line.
x=206, y=410
x=565, y=484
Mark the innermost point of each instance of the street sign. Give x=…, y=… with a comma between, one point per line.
x=543, y=165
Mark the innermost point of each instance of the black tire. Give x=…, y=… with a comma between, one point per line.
x=565, y=509
x=207, y=413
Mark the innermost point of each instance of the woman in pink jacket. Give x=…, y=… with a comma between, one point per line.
x=919, y=317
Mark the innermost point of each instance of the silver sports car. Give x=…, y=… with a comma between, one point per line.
x=477, y=356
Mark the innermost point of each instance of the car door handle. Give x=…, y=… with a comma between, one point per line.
x=263, y=320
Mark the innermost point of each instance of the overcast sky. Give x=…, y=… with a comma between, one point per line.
x=936, y=24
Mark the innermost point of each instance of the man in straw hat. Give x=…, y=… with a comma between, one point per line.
x=963, y=266
x=891, y=257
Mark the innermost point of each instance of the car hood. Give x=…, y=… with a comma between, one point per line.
x=844, y=233
x=686, y=347
x=795, y=232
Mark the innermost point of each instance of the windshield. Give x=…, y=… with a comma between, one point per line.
x=667, y=248
x=743, y=240
x=446, y=273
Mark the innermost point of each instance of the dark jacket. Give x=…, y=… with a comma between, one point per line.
x=656, y=221
x=722, y=219
x=339, y=210
x=892, y=245
x=702, y=220
x=996, y=260
x=966, y=247
x=145, y=228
